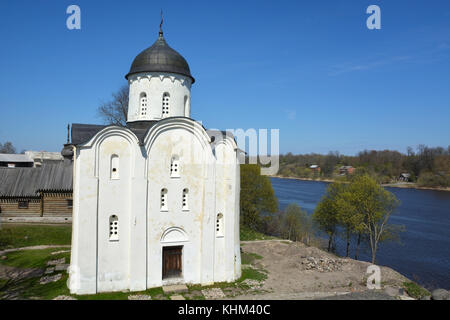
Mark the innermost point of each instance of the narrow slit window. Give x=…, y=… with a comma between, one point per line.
x=113, y=228
x=165, y=105
x=219, y=225
x=143, y=103
x=185, y=199
x=175, y=167
x=164, y=206
x=114, y=167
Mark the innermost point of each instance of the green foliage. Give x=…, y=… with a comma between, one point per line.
x=247, y=234
x=361, y=207
x=257, y=196
x=296, y=224
x=415, y=291
x=16, y=236
x=430, y=179
x=431, y=166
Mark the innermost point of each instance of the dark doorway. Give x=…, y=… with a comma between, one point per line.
x=172, y=262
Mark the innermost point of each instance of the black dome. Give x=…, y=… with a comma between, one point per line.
x=160, y=58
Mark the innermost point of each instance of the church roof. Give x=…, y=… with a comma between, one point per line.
x=82, y=133
x=160, y=57
x=27, y=182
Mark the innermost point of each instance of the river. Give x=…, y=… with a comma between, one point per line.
x=424, y=252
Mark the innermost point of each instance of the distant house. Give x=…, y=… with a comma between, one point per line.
x=315, y=168
x=41, y=157
x=405, y=177
x=15, y=160
x=44, y=191
x=344, y=170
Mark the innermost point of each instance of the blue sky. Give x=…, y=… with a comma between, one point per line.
x=309, y=68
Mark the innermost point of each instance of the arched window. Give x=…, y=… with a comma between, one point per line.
x=175, y=167
x=143, y=103
x=165, y=105
x=114, y=167
x=113, y=228
x=185, y=199
x=219, y=225
x=164, y=200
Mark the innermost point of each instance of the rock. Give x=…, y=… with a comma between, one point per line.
x=64, y=298
x=425, y=298
x=4, y=257
x=393, y=292
x=175, y=288
x=213, y=293
x=49, y=270
x=48, y=279
x=57, y=261
x=322, y=264
x=139, y=297
x=440, y=294
x=58, y=252
x=61, y=267
x=177, y=297
x=406, y=298
x=253, y=284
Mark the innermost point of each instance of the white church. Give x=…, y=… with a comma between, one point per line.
x=155, y=202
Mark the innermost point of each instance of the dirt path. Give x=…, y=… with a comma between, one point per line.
x=34, y=248
x=296, y=271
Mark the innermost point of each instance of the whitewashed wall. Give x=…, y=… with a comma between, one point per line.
x=155, y=85
x=135, y=261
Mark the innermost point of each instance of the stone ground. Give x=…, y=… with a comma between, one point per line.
x=296, y=271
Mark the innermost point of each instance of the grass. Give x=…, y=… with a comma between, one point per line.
x=248, y=234
x=16, y=236
x=253, y=274
x=249, y=258
x=34, y=258
x=415, y=291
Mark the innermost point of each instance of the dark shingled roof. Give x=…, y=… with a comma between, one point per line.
x=160, y=58
x=23, y=182
x=82, y=133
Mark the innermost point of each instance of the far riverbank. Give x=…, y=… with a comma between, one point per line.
x=409, y=185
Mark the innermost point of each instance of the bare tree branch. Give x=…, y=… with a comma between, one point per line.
x=115, y=111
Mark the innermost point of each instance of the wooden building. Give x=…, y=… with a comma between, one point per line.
x=44, y=191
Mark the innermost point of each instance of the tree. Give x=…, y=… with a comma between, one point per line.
x=296, y=225
x=7, y=148
x=257, y=197
x=325, y=213
x=115, y=111
x=376, y=205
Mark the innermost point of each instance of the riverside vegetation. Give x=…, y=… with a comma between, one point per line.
x=357, y=210
x=428, y=167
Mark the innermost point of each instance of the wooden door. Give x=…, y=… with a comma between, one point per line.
x=172, y=262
